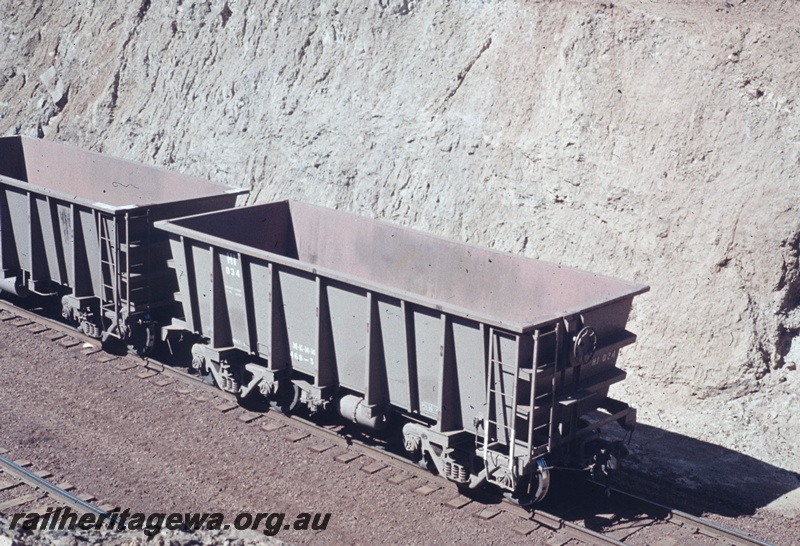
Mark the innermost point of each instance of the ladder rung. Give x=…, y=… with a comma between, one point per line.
x=537, y=410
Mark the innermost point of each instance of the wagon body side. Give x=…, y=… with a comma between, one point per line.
x=481, y=399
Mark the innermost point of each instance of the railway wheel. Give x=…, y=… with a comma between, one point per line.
x=533, y=487
x=425, y=462
x=286, y=397
x=142, y=338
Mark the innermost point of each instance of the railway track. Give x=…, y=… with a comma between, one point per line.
x=622, y=519
x=31, y=491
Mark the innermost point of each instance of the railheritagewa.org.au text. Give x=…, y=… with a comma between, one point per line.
x=269, y=523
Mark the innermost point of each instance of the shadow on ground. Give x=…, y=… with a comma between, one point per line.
x=699, y=477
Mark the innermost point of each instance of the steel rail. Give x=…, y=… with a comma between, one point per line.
x=23, y=474
x=574, y=530
x=708, y=528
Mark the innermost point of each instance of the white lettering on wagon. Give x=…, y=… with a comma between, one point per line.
x=232, y=265
x=233, y=269
x=610, y=356
x=431, y=409
x=303, y=353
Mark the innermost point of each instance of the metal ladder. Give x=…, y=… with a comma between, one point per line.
x=118, y=271
x=546, y=372
x=109, y=264
x=503, y=410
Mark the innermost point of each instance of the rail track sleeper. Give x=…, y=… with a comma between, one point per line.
x=249, y=417
x=347, y=457
x=225, y=406
x=373, y=468
x=4, y=484
x=272, y=426
x=426, y=489
x=297, y=436
x=197, y=382
x=459, y=502
x=69, y=342
x=488, y=513
x=397, y=479
x=25, y=475
x=19, y=501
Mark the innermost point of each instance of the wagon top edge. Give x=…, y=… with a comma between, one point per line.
x=94, y=179
x=466, y=280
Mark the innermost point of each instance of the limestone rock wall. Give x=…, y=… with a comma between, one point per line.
x=654, y=141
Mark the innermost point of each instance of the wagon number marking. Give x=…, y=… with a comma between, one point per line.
x=303, y=353
x=603, y=358
x=232, y=265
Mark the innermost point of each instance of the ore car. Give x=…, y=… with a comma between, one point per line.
x=78, y=225
x=496, y=367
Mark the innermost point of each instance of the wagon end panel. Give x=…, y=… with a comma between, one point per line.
x=594, y=341
x=572, y=380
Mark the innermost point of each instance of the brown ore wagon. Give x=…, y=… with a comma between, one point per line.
x=495, y=367
x=79, y=225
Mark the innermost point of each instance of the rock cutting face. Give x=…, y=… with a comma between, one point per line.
x=645, y=141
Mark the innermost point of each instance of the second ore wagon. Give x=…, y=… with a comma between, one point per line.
x=78, y=225
x=496, y=367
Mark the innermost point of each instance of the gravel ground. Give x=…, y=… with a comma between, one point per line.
x=133, y=444
x=148, y=448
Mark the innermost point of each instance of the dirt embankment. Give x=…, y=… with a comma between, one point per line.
x=659, y=142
